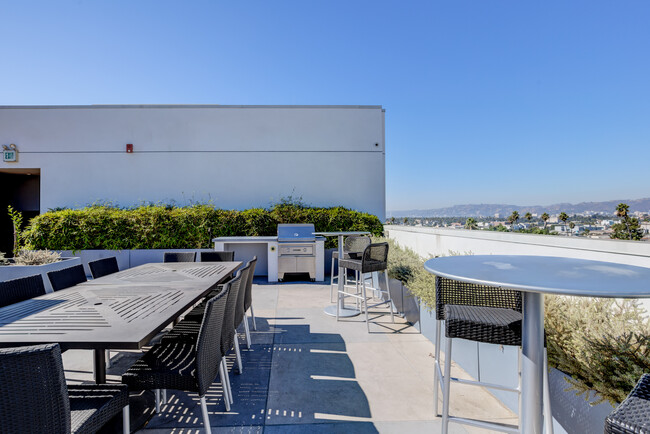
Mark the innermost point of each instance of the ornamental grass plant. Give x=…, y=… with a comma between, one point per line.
x=602, y=344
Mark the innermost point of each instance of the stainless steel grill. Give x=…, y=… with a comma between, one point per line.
x=296, y=249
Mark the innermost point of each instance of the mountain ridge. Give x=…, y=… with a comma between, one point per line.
x=489, y=210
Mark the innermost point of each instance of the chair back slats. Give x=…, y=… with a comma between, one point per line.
x=248, y=296
x=103, y=267
x=179, y=257
x=470, y=294
x=208, y=347
x=24, y=288
x=67, y=277
x=226, y=256
x=34, y=394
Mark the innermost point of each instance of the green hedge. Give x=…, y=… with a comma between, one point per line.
x=169, y=227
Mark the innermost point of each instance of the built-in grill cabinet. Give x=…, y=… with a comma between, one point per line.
x=296, y=249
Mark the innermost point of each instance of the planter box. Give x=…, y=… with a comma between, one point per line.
x=9, y=272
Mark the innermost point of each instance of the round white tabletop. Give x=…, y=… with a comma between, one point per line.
x=536, y=276
x=546, y=274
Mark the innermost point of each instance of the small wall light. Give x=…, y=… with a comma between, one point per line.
x=129, y=148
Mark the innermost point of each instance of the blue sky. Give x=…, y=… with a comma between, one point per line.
x=486, y=101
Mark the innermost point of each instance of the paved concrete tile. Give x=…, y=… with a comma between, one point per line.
x=333, y=428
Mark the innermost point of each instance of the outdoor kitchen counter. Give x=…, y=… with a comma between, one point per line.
x=271, y=242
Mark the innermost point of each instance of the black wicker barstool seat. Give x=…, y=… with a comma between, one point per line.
x=92, y=406
x=491, y=325
x=632, y=416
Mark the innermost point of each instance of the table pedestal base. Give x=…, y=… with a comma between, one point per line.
x=344, y=312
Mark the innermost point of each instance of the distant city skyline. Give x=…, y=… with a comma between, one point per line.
x=509, y=102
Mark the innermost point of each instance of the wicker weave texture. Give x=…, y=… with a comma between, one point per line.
x=184, y=362
x=248, y=296
x=469, y=294
x=179, y=257
x=483, y=324
x=632, y=416
x=225, y=256
x=33, y=393
x=374, y=258
x=62, y=279
x=92, y=406
x=17, y=290
x=103, y=267
x=229, y=331
x=239, y=307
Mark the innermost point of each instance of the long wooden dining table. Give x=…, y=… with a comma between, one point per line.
x=124, y=310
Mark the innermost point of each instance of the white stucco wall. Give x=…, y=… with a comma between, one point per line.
x=235, y=156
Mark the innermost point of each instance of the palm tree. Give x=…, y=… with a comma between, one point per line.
x=564, y=217
x=470, y=224
x=513, y=219
x=572, y=225
x=545, y=218
x=621, y=211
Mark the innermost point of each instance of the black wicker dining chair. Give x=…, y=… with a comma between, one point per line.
x=353, y=246
x=179, y=257
x=225, y=256
x=62, y=279
x=245, y=290
x=17, y=290
x=103, y=267
x=36, y=399
x=188, y=362
x=373, y=259
x=248, y=299
x=632, y=416
x=189, y=327
x=478, y=313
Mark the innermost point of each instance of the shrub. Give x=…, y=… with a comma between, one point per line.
x=170, y=227
x=36, y=257
x=602, y=344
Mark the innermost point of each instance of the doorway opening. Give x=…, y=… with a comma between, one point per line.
x=20, y=189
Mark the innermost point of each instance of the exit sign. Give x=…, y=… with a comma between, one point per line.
x=9, y=155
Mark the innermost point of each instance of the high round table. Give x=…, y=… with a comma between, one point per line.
x=343, y=310
x=536, y=276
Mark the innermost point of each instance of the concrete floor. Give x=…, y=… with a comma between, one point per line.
x=307, y=373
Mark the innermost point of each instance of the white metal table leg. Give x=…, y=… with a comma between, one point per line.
x=532, y=363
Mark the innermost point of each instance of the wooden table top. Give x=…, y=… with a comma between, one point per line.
x=123, y=310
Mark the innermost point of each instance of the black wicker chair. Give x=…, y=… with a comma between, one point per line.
x=632, y=416
x=103, y=267
x=179, y=257
x=225, y=256
x=189, y=327
x=24, y=288
x=353, y=246
x=248, y=298
x=36, y=399
x=482, y=314
x=62, y=279
x=373, y=259
x=188, y=362
x=244, y=291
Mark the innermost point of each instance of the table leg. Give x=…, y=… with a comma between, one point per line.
x=100, y=366
x=533, y=363
x=343, y=311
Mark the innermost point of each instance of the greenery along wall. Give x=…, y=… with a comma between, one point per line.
x=169, y=227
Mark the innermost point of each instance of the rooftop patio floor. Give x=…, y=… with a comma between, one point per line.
x=306, y=372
